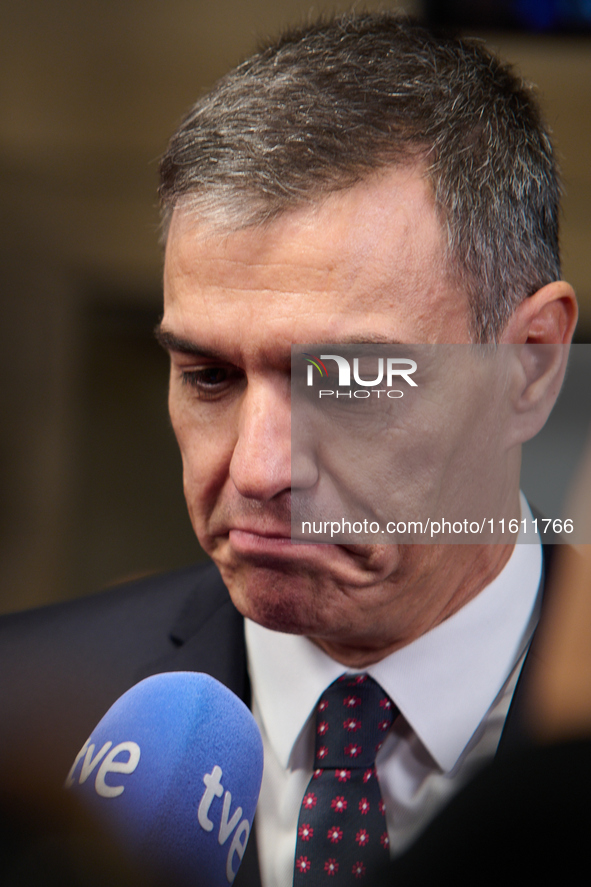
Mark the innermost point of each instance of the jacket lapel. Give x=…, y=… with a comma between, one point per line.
x=207, y=636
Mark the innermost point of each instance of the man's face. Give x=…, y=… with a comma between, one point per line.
x=366, y=265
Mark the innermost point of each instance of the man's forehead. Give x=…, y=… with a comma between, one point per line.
x=372, y=249
x=390, y=206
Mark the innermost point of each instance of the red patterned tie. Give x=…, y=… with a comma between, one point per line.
x=342, y=835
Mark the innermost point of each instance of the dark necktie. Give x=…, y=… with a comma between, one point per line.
x=342, y=835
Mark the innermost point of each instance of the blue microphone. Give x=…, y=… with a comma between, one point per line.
x=174, y=770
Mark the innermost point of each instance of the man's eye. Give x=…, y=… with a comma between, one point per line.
x=209, y=381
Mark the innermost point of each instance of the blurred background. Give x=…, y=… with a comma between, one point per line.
x=90, y=91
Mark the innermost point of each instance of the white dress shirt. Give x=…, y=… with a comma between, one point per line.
x=453, y=687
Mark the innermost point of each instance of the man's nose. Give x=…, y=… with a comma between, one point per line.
x=260, y=467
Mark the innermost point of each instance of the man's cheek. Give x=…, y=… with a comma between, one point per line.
x=205, y=477
x=200, y=507
x=203, y=439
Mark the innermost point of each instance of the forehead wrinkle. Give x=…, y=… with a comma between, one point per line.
x=315, y=271
x=348, y=284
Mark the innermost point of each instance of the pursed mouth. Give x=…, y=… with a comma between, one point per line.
x=245, y=540
x=264, y=532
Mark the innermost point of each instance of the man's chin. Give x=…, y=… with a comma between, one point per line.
x=278, y=601
x=299, y=595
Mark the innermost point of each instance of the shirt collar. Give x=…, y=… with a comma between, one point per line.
x=443, y=683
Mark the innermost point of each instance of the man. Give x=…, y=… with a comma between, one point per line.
x=362, y=180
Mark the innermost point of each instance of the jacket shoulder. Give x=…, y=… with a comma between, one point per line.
x=131, y=615
x=62, y=666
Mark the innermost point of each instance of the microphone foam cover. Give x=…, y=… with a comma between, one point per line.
x=174, y=769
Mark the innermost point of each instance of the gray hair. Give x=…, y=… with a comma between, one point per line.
x=325, y=105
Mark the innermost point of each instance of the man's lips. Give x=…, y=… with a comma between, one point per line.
x=274, y=531
x=250, y=537
x=271, y=547
x=275, y=541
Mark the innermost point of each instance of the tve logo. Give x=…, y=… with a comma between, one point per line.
x=228, y=824
x=106, y=757
x=388, y=369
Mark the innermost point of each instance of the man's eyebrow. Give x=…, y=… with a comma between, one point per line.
x=171, y=342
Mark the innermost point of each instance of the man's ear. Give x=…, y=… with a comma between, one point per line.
x=539, y=333
x=548, y=317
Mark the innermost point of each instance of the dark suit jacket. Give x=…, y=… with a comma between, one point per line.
x=61, y=667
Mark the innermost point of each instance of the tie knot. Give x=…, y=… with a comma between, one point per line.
x=353, y=716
